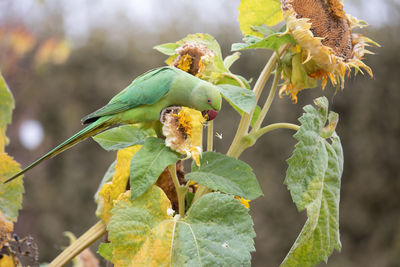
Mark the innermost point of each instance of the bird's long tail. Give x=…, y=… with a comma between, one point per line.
x=92, y=129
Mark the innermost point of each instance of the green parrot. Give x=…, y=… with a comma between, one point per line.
x=142, y=101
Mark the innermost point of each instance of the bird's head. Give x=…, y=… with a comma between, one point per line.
x=206, y=97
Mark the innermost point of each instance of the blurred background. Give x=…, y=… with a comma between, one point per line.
x=64, y=59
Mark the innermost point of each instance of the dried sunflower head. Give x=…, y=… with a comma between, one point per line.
x=183, y=128
x=326, y=45
x=192, y=58
x=200, y=55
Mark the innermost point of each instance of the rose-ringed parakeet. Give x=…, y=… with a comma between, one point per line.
x=142, y=101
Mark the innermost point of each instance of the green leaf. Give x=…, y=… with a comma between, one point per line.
x=10, y=193
x=140, y=230
x=123, y=136
x=273, y=41
x=105, y=250
x=6, y=108
x=313, y=178
x=239, y=98
x=258, y=12
x=217, y=231
x=229, y=60
x=256, y=114
x=265, y=30
x=167, y=49
x=226, y=174
x=148, y=163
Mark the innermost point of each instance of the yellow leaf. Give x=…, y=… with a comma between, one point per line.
x=258, y=12
x=10, y=193
x=6, y=227
x=6, y=261
x=141, y=230
x=110, y=191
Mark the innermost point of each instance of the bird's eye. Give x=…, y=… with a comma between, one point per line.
x=208, y=100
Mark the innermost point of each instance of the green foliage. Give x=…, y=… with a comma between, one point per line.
x=226, y=174
x=243, y=100
x=10, y=193
x=229, y=60
x=273, y=41
x=6, y=108
x=140, y=230
x=256, y=114
x=167, y=48
x=313, y=178
x=123, y=136
x=258, y=12
x=148, y=163
x=217, y=231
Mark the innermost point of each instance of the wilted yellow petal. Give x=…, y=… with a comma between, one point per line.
x=183, y=129
x=244, y=202
x=328, y=47
x=192, y=121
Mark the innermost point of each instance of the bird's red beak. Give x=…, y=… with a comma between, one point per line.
x=211, y=114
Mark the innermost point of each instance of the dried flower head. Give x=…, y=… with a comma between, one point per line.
x=183, y=129
x=192, y=57
x=327, y=46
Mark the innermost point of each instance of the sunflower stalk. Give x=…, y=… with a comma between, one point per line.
x=201, y=190
x=180, y=190
x=268, y=102
x=84, y=241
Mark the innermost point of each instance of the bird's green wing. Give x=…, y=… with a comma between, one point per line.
x=146, y=89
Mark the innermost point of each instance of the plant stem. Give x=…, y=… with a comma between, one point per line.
x=180, y=190
x=84, y=241
x=210, y=135
x=250, y=139
x=201, y=190
x=246, y=118
x=257, y=134
x=268, y=102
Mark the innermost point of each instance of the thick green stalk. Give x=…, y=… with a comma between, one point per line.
x=250, y=139
x=180, y=190
x=268, y=102
x=246, y=118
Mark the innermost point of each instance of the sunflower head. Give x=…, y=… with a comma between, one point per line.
x=326, y=46
x=192, y=58
x=183, y=128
